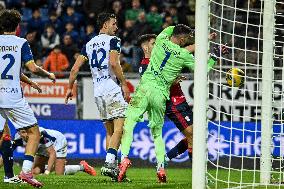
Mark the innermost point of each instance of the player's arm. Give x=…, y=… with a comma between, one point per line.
x=51, y=160
x=115, y=65
x=27, y=58
x=82, y=58
x=166, y=33
x=191, y=48
x=35, y=69
x=30, y=82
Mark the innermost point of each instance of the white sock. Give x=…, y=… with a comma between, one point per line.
x=122, y=157
x=160, y=165
x=167, y=158
x=27, y=166
x=72, y=169
x=110, y=158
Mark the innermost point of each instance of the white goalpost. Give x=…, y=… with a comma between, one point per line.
x=238, y=139
x=267, y=88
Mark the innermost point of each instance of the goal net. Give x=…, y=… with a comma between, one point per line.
x=245, y=133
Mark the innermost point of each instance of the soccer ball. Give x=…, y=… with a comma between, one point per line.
x=235, y=77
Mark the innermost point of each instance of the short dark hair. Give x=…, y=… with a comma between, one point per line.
x=182, y=29
x=103, y=18
x=57, y=47
x=145, y=38
x=9, y=20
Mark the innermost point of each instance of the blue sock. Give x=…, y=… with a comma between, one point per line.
x=180, y=148
x=7, y=155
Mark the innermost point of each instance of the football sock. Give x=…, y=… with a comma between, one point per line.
x=28, y=163
x=72, y=169
x=160, y=165
x=111, y=155
x=122, y=157
x=7, y=155
x=159, y=144
x=180, y=148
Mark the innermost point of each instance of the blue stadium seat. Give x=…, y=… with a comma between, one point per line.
x=44, y=14
x=27, y=14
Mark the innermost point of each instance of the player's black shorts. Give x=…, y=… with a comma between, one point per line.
x=180, y=114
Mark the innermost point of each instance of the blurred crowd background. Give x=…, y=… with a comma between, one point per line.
x=57, y=29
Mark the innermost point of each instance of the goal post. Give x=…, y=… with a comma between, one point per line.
x=237, y=141
x=200, y=107
x=267, y=89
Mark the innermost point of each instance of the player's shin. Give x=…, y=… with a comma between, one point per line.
x=31, y=148
x=180, y=148
x=127, y=137
x=115, y=140
x=109, y=132
x=72, y=169
x=160, y=150
x=7, y=155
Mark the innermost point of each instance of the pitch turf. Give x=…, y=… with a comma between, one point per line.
x=141, y=178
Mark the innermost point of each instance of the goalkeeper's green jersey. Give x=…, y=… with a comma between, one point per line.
x=166, y=62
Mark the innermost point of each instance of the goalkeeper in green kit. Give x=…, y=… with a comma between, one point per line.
x=167, y=60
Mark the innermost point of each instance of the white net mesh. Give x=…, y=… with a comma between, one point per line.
x=234, y=114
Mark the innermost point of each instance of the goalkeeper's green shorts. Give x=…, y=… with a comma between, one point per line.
x=147, y=99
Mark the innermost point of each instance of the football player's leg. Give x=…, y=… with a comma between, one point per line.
x=23, y=119
x=156, y=118
x=115, y=139
x=136, y=108
x=72, y=169
x=109, y=131
x=182, y=117
x=156, y=121
x=101, y=102
x=39, y=164
x=31, y=147
x=59, y=165
x=7, y=151
x=115, y=109
x=61, y=154
x=87, y=168
x=3, y=122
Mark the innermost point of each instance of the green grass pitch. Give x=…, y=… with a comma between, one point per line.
x=140, y=178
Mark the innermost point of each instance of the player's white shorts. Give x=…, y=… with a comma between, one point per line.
x=2, y=123
x=60, y=146
x=21, y=118
x=111, y=106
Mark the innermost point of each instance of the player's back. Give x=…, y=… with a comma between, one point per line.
x=48, y=137
x=52, y=137
x=12, y=50
x=97, y=51
x=166, y=62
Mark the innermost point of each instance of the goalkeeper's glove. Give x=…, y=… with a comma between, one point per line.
x=217, y=50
